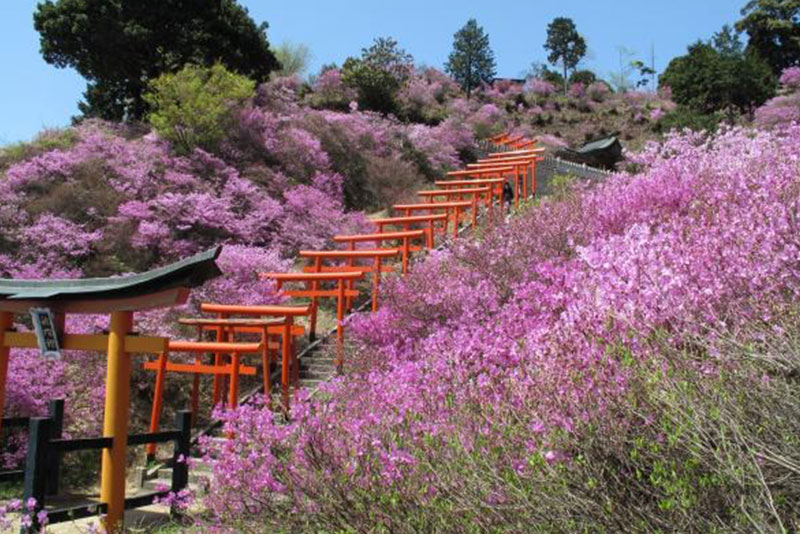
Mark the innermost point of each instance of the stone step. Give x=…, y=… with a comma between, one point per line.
x=310, y=383
x=316, y=364
x=316, y=374
x=318, y=360
x=162, y=484
x=196, y=475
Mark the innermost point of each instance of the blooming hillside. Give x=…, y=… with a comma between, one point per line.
x=300, y=164
x=103, y=199
x=615, y=359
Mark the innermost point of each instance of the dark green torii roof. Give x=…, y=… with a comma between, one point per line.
x=187, y=273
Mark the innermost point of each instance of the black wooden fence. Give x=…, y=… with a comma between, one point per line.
x=46, y=448
x=55, y=412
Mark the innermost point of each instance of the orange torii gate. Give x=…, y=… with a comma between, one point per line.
x=377, y=256
x=341, y=293
x=404, y=237
x=405, y=222
x=520, y=143
x=454, y=195
x=120, y=298
x=453, y=209
x=517, y=141
x=499, y=171
x=513, y=153
x=282, y=325
x=522, y=165
x=496, y=185
x=510, y=139
x=499, y=138
x=225, y=328
x=161, y=365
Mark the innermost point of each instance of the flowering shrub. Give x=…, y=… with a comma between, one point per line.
x=577, y=90
x=598, y=91
x=330, y=92
x=544, y=362
x=785, y=108
x=26, y=513
x=539, y=87
x=487, y=120
x=423, y=97
x=552, y=141
x=656, y=114
x=790, y=78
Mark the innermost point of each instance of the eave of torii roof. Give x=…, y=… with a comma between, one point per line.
x=185, y=274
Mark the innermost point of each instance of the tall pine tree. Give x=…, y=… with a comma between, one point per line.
x=565, y=44
x=471, y=63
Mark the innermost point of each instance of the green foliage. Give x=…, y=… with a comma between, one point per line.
x=378, y=74
x=294, y=59
x=540, y=71
x=719, y=76
x=773, y=28
x=586, y=77
x=44, y=142
x=193, y=107
x=645, y=73
x=471, y=63
x=119, y=47
x=564, y=44
x=683, y=117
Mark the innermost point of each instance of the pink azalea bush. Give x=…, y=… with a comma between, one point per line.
x=790, y=78
x=541, y=88
x=785, y=108
x=510, y=379
x=577, y=90
x=598, y=91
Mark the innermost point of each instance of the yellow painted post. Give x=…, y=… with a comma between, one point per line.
x=6, y=320
x=115, y=421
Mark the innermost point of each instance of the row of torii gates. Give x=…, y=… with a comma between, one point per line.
x=328, y=274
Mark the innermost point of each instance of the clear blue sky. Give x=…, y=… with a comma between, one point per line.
x=34, y=95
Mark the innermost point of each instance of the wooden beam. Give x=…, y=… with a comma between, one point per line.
x=200, y=368
x=162, y=299
x=89, y=342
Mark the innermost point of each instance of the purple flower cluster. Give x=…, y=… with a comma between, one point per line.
x=785, y=108
x=539, y=87
x=508, y=347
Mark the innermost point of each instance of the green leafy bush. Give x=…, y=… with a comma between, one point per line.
x=192, y=108
x=683, y=117
x=585, y=76
x=378, y=74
